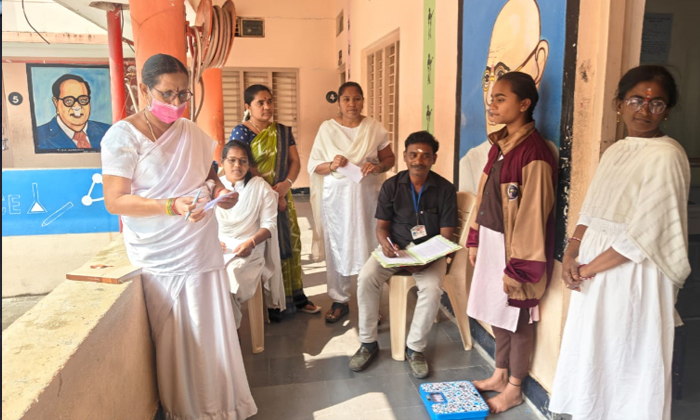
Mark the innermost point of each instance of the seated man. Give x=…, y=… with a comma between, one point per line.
x=414, y=206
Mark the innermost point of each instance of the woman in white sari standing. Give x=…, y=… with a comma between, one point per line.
x=248, y=231
x=344, y=223
x=155, y=166
x=632, y=243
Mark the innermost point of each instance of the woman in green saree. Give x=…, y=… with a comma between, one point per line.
x=278, y=163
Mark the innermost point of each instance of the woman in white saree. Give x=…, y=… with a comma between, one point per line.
x=248, y=231
x=155, y=165
x=344, y=210
x=632, y=243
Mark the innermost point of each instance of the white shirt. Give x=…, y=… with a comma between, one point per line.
x=70, y=132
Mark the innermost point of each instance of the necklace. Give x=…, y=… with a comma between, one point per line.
x=155, y=139
x=256, y=127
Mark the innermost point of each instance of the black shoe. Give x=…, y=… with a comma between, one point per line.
x=417, y=363
x=361, y=359
x=275, y=315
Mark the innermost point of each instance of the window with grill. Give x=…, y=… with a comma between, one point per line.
x=285, y=92
x=383, y=87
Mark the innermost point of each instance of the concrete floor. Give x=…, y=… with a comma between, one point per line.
x=14, y=307
x=303, y=372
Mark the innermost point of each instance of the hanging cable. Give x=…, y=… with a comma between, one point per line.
x=30, y=24
x=210, y=41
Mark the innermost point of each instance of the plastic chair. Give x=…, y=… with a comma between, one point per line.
x=459, y=273
x=256, y=316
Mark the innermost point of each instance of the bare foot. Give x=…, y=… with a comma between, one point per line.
x=507, y=399
x=497, y=382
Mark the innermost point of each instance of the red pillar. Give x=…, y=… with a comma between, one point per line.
x=116, y=63
x=211, y=116
x=159, y=27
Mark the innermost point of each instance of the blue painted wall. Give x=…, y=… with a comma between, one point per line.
x=478, y=20
x=53, y=202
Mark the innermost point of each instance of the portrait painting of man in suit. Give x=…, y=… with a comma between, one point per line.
x=79, y=104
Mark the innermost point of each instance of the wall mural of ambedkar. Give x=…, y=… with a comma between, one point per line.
x=71, y=107
x=498, y=37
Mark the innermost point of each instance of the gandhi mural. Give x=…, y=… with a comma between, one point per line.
x=516, y=43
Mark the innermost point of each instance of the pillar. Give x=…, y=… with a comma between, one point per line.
x=211, y=116
x=116, y=62
x=158, y=27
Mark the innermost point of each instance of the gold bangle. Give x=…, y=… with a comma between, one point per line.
x=330, y=167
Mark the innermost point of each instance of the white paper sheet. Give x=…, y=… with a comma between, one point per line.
x=403, y=258
x=229, y=255
x=210, y=205
x=429, y=249
x=351, y=171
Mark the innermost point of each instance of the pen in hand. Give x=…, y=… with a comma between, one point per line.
x=393, y=246
x=196, y=198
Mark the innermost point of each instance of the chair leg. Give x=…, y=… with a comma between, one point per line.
x=397, y=322
x=458, y=299
x=256, y=315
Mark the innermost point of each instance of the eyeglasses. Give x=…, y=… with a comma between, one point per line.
x=233, y=160
x=170, y=95
x=636, y=103
x=494, y=73
x=69, y=101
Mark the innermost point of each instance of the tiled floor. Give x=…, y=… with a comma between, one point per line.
x=303, y=372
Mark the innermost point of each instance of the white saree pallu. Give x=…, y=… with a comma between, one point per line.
x=344, y=210
x=617, y=347
x=256, y=209
x=198, y=358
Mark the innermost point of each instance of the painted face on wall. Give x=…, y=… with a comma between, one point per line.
x=515, y=46
x=73, y=105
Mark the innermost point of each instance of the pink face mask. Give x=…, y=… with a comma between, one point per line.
x=166, y=112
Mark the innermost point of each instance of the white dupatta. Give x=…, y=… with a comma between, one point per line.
x=331, y=141
x=644, y=184
x=243, y=220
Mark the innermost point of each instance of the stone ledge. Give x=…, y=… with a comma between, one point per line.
x=84, y=351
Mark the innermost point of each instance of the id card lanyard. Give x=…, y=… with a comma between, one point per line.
x=418, y=231
x=416, y=203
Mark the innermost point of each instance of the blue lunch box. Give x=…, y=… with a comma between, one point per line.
x=453, y=400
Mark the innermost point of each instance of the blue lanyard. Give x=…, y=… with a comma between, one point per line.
x=415, y=203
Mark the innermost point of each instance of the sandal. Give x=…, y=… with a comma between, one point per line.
x=337, y=311
x=310, y=308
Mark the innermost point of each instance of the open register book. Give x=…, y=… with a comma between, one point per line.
x=429, y=251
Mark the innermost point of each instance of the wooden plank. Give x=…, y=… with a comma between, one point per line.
x=110, y=265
